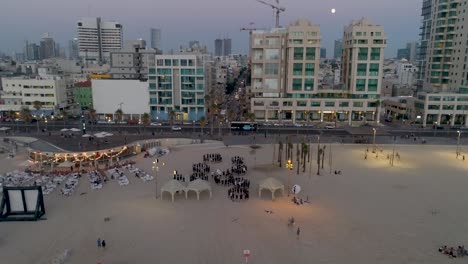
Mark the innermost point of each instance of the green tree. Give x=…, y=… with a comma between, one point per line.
x=203, y=123
x=119, y=115
x=25, y=114
x=172, y=117
x=146, y=120
x=37, y=105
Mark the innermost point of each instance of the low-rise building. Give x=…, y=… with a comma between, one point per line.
x=53, y=93
x=442, y=108
x=82, y=92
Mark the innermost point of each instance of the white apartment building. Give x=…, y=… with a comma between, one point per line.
x=53, y=92
x=177, y=83
x=133, y=61
x=406, y=73
x=285, y=74
x=97, y=38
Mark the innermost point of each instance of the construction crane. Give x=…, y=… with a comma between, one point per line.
x=278, y=9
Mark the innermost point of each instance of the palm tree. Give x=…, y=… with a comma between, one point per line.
x=37, y=105
x=203, y=123
x=64, y=115
x=172, y=117
x=146, y=120
x=377, y=112
x=250, y=117
x=119, y=115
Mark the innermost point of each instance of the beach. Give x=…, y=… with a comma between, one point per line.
x=371, y=213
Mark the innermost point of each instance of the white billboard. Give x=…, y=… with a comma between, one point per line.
x=108, y=95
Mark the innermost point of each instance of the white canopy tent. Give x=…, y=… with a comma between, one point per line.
x=198, y=186
x=4, y=128
x=74, y=130
x=64, y=130
x=172, y=187
x=272, y=185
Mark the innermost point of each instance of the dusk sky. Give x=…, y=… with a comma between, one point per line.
x=203, y=20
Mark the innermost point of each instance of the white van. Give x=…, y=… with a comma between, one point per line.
x=330, y=125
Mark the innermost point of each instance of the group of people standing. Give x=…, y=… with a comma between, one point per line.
x=238, y=167
x=212, y=157
x=452, y=252
x=200, y=171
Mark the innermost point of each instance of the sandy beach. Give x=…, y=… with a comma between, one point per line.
x=372, y=213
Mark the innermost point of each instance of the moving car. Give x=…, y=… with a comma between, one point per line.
x=176, y=128
x=156, y=124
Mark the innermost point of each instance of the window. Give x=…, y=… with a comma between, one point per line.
x=258, y=69
x=258, y=41
x=297, y=69
x=308, y=84
x=358, y=104
x=271, y=54
x=298, y=53
x=167, y=62
x=183, y=63
x=164, y=71
x=310, y=53
x=296, y=41
x=271, y=84
x=297, y=84
x=315, y=103
x=329, y=104
x=360, y=85
x=272, y=41
x=344, y=104
x=375, y=54
x=378, y=34
x=374, y=69
x=361, y=69
x=362, y=55
x=160, y=62
x=175, y=62
x=187, y=71
x=433, y=107
x=309, y=69
x=372, y=85
x=302, y=103
x=271, y=68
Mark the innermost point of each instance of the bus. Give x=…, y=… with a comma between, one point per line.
x=243, y=126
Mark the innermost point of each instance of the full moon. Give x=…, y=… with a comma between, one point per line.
x=333, y=10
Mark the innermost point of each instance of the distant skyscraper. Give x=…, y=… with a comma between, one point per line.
x=218, y=47
x=31, y=51
x=323, y=53
x=227, y=46
x=403, y=54
x=412, y=47
x=47, y=47
x=156, y=38
x=97, y=38
x=338, y=49
x=73, y=49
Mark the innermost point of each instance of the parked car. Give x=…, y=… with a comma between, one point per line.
x=156, y=124
x=176, y=128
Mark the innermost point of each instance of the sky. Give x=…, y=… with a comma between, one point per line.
x=203, y=20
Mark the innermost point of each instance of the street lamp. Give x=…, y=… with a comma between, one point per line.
x=156, y=170
x=458, y=143
x=373, y=140
x=289, y=166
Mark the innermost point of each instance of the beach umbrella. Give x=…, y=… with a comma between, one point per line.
x=74, y=130
x=86, y=135
x=107, y=134
x=64, y=130
x=4, y=128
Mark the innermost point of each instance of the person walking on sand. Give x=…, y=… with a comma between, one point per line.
x=103, y=244
x=298, y=232
x=99, y=242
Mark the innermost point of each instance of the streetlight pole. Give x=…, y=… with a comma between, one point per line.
x=458, y=143
x=156, y=170
x=318, y=155
x=289, y=165
x=373, y=140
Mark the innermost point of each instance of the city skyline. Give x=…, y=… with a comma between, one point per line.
x=229, y=17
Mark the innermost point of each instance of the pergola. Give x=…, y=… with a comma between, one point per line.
x=172, y=187
x=272, y=185
x=198, y=186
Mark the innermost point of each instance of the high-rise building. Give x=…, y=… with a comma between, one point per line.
x=425, y=34
x=31, y=51
x=218, y=47
x=223, y=47
x=177, y=83
x=47, y=47
x=338, y=49
x=362, y=65
x=295, y=94
x=156, y=38
x=441, y=45
x=412, y=47
x=402, y=54
x=227, y=46
x=97, y=38
x=73, y=49
x=323, y=53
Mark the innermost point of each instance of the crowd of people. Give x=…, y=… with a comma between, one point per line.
x=200, y=171
x=178, y=177
x=460, y=251
x=212, y=157
x=238, y=167
x=238, y=193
